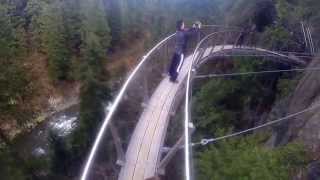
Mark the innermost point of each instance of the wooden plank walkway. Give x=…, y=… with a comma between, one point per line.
x=144, y=148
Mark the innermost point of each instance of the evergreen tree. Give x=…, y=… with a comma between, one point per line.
x=60, y=157
x=59, y=58
x=247, y=159
x=115, y=16
x=10, y=168
x=93, y=92
x=14, y=84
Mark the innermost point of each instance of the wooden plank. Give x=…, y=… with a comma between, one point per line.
x=137, y=138
x=159, y=131
x=162, y=127
x=137, y=160
x=147, y=141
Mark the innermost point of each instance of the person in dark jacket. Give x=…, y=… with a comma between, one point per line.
x=180, y=48
x=243, y=35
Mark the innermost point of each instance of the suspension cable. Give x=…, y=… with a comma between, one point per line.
x=205, y=142
x=256, y=72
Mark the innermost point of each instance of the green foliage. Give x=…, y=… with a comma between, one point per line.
x=286, y=12
x=286, y=86
x=14, y=84
x=72, y=22
x=230, y=104
x=213, y=103
x=141, y=18
x=115, y=20
x=207, y=11
x=16, y=167
x=264, y=14
x=295, y=11
x=35, y=27
x=91, y=114
x=291, y=13
x=59, y=58
x=279, y=38
x=8, y=41
x=65, y=29
x=10, y=168
x=55, y=41
x=94, y=91
x=95, y=30
x=59, y=155
x=36, y=167
x=76, y=35
x=247, y=159
x=223, y=102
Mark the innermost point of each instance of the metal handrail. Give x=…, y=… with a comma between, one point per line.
x=120, y=97
x=187, y=106
x=114, y=106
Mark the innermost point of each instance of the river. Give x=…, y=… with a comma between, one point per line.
x=36, y=142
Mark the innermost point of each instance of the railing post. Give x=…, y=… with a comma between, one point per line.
x=172, y=152
x=118, y=144
x=146, y=93
x=165, y=61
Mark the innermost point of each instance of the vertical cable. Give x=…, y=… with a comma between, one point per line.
x=311, y=40
x=304, y=34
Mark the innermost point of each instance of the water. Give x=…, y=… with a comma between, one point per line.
x=64, y=125
x=35, y=143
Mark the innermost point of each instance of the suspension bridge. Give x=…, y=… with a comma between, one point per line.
x=148, y=89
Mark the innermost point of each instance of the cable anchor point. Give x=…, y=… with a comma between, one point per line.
x=204, y=142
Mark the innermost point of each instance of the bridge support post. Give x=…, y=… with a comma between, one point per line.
x=172, y=152
x=146, y=95
x=166, y=59
x=117, y=142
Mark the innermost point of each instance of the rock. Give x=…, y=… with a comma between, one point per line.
x=278, y=111
x=314, y=171
x=305, y=127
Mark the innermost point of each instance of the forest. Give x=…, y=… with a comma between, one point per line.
x=83, y=49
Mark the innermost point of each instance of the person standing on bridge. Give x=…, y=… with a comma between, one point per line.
x=182, y=35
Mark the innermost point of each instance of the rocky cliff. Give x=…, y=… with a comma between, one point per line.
x=304, y=128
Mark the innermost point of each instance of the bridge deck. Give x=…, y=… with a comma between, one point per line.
x=143, y=152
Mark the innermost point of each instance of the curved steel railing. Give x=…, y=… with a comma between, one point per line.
x=134, y=95
x=142, y=82
x=114, y=106
x=196, y=56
